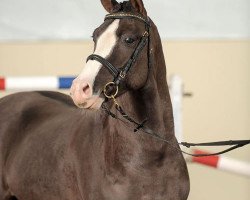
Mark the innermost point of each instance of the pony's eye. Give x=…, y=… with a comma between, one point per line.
x=129, y=40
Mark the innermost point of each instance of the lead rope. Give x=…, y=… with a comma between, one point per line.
x=141, y=126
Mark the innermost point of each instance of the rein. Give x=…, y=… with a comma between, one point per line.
x=140, y=126
x=119, y=75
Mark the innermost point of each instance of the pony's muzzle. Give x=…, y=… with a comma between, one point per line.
x=82, y=94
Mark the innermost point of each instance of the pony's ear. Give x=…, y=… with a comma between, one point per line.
x=110, y=5
x=139, y=6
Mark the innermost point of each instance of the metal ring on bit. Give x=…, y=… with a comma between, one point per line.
x=109, y=96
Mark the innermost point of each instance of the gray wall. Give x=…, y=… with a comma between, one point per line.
x=75, y=19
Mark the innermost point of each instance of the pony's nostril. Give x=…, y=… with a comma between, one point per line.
x=86, y=90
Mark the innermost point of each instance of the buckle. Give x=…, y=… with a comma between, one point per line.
x=145, y=34
x=122, y=74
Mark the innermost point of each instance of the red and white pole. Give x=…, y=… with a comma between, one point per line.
x=222, y=163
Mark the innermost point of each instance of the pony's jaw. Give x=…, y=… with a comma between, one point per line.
x=104, y=47
x=94, y=103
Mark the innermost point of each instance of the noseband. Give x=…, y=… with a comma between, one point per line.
x=119, y=74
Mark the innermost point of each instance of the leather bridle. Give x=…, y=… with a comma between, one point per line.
x=120, y=73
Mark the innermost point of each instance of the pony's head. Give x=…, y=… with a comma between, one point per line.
x=120, y=55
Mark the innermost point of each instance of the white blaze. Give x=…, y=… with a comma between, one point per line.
x=104, y=46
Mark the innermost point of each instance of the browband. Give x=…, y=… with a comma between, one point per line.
x=121, y=15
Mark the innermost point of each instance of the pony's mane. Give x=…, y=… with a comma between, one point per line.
x=124, y=6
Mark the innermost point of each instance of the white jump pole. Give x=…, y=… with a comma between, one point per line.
x=222, y=163
x=176, y=93
x=35, y=83
x=219, y=162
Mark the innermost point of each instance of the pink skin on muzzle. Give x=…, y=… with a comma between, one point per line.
x=82, y=94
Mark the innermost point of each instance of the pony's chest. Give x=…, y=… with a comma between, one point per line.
x=133, y=187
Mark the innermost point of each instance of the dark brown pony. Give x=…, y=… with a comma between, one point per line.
x=51, y=149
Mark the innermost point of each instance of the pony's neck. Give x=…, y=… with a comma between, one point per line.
x=149, y=104
x=152, y=102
